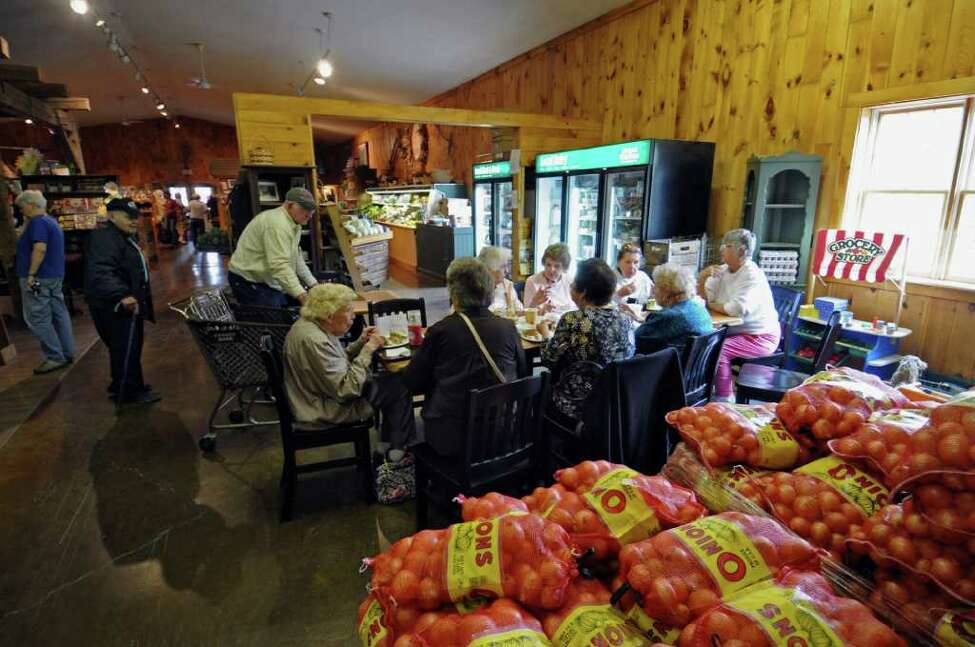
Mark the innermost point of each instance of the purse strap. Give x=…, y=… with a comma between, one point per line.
x=484, y=351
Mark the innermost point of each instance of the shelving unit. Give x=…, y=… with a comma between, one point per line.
x=780, y=207
x=366, y=257
x=859, y=345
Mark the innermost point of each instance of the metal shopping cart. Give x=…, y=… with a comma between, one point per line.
x=229, y=338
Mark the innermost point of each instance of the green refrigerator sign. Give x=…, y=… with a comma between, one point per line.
x=628, y=154
x=492, y=170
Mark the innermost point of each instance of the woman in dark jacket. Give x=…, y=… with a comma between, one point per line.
x=450, y=362
x=120, y=299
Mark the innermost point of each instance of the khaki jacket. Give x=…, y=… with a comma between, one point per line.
x=269, y=252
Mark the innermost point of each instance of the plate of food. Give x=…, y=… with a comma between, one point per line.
x=396, y=339
x=396, y=353
x=531, y=334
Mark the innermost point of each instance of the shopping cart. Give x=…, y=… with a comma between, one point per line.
x=230, y=343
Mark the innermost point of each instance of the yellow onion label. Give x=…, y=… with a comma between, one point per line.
x=372, y=629
x=726, y=552
x=513, y=638
x=778, y=449
x=714, y=490
x=786, y=616
x=655, y=630
x=956, y=629
x=966, y=399
x=852, y=483
x=596, y=624
x=474, y=560
x=622, y=507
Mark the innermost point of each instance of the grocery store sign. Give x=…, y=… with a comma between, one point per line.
x=628, y=154
x=492, y=170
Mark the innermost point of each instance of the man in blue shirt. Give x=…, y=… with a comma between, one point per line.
x=40, y=269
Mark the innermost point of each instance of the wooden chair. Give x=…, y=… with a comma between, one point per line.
x=699, y=365
x=787, y=302
x=499, y=444
x=295, y=439
x=759, y=381
x=383, y=308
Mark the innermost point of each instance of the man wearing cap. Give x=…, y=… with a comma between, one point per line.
x=267, y=267
x=120, y=300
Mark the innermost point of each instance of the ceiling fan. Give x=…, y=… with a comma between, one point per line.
x=201, y=81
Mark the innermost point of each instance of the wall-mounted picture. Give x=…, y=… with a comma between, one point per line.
x=267, y=191
x=363, y=154
x=299, y=182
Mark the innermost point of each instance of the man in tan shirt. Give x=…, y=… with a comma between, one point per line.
x=267, y=267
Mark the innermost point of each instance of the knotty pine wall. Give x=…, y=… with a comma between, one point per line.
x=758, y=77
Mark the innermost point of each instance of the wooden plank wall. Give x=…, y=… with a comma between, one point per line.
x=758, y=77
x=286, y=134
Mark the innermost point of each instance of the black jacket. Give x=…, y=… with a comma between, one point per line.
x=449, y=364
x=115, y=269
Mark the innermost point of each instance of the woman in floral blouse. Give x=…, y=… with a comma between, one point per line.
x=597, y=332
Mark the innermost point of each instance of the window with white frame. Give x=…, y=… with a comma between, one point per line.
x=913, y=172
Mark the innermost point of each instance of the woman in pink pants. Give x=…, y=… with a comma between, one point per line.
x=739, y=288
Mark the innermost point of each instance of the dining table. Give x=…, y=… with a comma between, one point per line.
x=361, y=305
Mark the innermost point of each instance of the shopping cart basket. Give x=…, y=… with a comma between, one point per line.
x=231, y=348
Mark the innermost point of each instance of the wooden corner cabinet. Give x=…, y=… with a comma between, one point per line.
x=780, y=208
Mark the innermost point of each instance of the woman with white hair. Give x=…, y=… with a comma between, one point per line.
x=329, y=384
x=683, y=316
x=496, y=259
x=739, y=288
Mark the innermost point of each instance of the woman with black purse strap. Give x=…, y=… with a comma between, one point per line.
x=469, y=349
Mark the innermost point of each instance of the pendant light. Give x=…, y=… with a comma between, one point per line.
x=80, y=7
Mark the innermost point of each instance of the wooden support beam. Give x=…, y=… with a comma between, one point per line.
x=11, y=72
x=4, y=48
x=15, y=100
x=70, y=103
x=43, y=90
x=392, y=112
x=72, y=139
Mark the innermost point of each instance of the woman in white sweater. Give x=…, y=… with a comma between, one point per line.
x=739, y=288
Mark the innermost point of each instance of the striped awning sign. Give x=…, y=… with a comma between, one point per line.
x=855, y=255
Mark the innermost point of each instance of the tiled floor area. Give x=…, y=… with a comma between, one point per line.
x=115, y=530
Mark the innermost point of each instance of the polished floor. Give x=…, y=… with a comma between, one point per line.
x=116, y=530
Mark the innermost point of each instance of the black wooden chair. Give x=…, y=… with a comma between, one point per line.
x=759, y=381
x=295, y=439
x=787, y=302
x=383, y=308
x=500, y=444
x=699, y=364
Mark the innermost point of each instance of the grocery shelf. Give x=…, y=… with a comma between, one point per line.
x=807, y=335
x=854, y=349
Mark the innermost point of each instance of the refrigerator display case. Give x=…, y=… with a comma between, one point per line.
x=598, y=199
x=493, y=205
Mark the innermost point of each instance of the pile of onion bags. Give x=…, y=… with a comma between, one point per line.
x=499, y=624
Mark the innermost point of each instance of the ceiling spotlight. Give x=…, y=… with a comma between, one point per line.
x=160, y=106
x=164, y=113
x=319, y=80
x=145, y=90
x=28, y=121
x=80, y=7
x=50, y=131
x=177, y=124
x=324, y=68
x=99, y=23
x=125, y=58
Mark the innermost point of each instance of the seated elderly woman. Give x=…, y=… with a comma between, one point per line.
x=450, y=361
x=548, y=290
x=503, y=295
x=683, y=315
x=329, y=384
x=739, y=288
x=597, y=332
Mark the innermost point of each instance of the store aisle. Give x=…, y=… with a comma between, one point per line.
x=115, y=530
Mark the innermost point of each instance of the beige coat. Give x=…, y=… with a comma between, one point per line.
x=324, y=381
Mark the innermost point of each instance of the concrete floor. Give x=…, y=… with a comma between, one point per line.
x=115, y=530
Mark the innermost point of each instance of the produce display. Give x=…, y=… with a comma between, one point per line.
x=405, y=208
x=821, y=501
x=725, y=434
x=804, y=546
x=795, y=609
x=834, y=403
x=681, y=573
x=359, y=227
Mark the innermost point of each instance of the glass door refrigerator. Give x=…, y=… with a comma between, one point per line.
x=611, y=195
x=493, y=207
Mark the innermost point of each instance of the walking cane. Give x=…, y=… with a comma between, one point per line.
x=125, y=364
